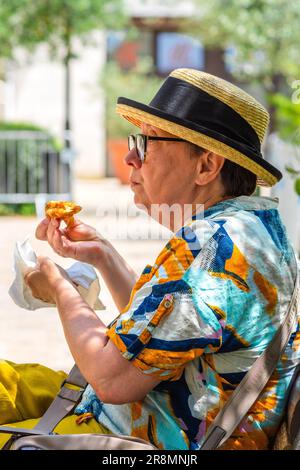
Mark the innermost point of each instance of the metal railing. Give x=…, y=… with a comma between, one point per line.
x=31, y=169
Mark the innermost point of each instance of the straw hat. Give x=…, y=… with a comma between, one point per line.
x=212, y=113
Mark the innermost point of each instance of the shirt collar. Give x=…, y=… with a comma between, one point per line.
x=245, y=203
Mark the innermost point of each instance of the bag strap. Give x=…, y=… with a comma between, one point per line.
x=19, y=431
x=62, y=405
x=248, y=390
x=293, y=409
x=64, y=402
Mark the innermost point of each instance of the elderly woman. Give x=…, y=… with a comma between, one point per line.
x=191, y=325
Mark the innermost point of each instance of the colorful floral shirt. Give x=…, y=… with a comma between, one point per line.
x=198, y=319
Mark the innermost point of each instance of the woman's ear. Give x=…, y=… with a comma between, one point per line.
x=209, y=165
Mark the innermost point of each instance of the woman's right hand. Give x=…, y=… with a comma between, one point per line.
x=79, y=241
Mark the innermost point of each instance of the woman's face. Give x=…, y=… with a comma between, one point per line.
x=166, y=176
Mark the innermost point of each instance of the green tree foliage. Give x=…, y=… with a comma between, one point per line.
x=10, y=13
x=28, y=23
x=265, y=38
x=288, y=119
x=265, y=35
x=57, y=22
x=139, y=83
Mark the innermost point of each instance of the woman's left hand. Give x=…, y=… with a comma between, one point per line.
x=44, y=280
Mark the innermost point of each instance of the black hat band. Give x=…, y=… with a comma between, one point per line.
x=188, y=102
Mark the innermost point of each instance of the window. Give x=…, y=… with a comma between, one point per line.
x=175, y=50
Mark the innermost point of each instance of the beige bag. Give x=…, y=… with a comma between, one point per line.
x=80, y=442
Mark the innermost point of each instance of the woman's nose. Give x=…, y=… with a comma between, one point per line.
x=132, y=159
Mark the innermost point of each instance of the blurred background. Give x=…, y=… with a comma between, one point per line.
x=62, y=66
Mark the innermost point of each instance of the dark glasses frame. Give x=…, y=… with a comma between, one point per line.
x=140, y=141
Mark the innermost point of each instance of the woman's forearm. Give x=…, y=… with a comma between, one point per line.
x=83, y=329
x=117, y=275
x=98, y=358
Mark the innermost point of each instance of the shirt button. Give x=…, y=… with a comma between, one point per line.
x=168, y=301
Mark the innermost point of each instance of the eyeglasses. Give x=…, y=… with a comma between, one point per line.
x=139, y=142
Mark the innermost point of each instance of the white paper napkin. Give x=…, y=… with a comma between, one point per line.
x=82, y=274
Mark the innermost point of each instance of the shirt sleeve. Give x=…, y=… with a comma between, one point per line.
x=162, y=330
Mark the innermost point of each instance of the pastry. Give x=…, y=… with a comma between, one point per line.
x=64, y=210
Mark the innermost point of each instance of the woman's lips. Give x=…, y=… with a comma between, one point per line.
x=133, y=183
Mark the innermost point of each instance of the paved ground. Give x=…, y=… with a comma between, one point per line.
x=37, y=336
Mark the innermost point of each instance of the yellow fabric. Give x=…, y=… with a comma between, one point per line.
x=26, y=391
